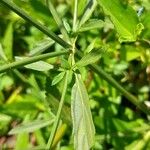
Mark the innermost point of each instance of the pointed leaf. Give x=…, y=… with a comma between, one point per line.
x=124, y=19
x=58, y=78
x=83, y=127
x=88, y=12
x=41, y=47
x=31, y=126
x=89, y=59
x=38, y=66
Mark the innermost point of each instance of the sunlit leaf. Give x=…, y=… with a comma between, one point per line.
x=2, y=54
x=8, y=41
x=124, y=19
x=83, y=127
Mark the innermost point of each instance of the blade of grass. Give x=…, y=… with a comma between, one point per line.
x=54, y=128
x=29, y=60
x=57, y=19
x=42, y=28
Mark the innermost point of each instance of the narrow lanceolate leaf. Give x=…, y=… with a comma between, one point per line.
x=31, y=126
x=41, y=47
x=83, y=127
x=88, y=12
x=58, y=78
x=89, y=58
x=124, y=19
x=57, y=19
x=38, y=66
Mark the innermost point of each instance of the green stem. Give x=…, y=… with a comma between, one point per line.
x=31, y=60
x=42, y=28
x=115, y=84
x=54, y=128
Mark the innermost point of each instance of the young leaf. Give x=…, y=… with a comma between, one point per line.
x=31, y=126
x=58, y=78
x=87, y=12
x=91, y=24
x=83, y=127
x=88, y=59
x=124, y=19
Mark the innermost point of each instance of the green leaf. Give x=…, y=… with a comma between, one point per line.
x=81, y=6
x=8, y=41
x=91, y=24
x=2, y=54
x=89, y=59
x=124, y=19
x=88, y=12
x=22, y=141
x=83, y=127
x=30, y=126
x=38, y=66
x=58, y=78
x=130, y=52
x=57, y=19
x=41, y=46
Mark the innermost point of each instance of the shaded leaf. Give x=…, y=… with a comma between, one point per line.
x=83, y=127
x=124, y=19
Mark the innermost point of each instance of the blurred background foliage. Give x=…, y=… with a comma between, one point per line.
x=119, y=124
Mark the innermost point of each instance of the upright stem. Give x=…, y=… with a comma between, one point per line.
x=42, y=28
x=55, y=126
x=29, y=60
